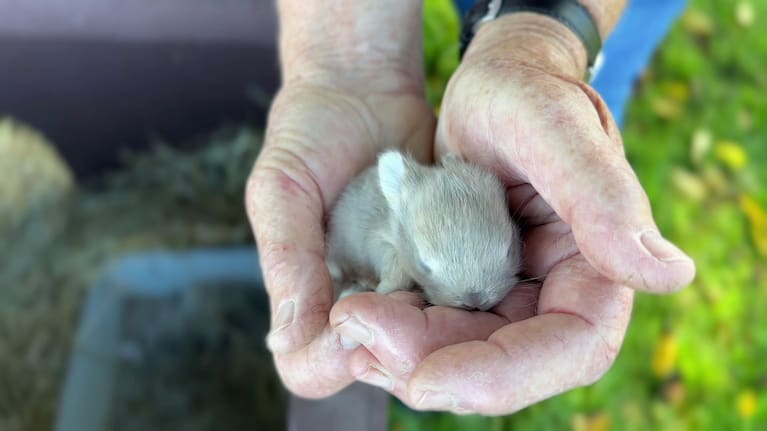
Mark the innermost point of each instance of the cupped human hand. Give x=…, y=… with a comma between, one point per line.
x=320, y=134
x=589, y=238
x=538, y=342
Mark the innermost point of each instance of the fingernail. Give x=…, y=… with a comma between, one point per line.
x=437, y=401
x=661, y=248
x=377, y=376
x=347, y=343
x=354, y=329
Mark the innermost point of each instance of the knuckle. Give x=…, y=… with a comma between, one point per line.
x=284, y=171
x=603, y=356
x=305, y=389
x=252, y=190
x=278, y=182
x=304, y=380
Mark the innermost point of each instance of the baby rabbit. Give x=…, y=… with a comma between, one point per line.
x=445, y=229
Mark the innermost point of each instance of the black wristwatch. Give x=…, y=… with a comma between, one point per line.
x=569, y=12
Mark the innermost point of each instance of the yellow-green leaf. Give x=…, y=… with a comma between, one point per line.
x=598, y=422
x=744, y=13
x=679, y=91
x=714, y=178
x=746, y=403
x=690, y=185
x=697, y=22
x=702, y=141
x=731, y=154
x=666, y=108
x=664, y=359
x=757, y=218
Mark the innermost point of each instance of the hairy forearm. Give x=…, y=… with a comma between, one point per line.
x=542, y=41
x=358, y=38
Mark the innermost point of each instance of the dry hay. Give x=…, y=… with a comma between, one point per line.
x=58, y=240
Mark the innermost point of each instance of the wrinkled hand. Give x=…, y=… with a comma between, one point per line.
x=588, y=228
x=320, y=135
x=588, y=224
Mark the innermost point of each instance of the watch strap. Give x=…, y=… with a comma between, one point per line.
x=569, y=12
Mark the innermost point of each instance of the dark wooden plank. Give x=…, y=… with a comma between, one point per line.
x=359, y=407
x=99, y=77
x=205, y=21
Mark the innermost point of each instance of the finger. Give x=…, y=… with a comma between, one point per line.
x=366, y=367
x=408, y=297
x=308, y=355
x=611, y=220
x=571, y=343
x=548, y=240
x=295, y=179
x=528, y=206
x=318, y=369
x=573, y=287
x=546, y=246
x=400, y=335
x=521, y=303
x=285, y=199
x=591, y=185
x=291, y=253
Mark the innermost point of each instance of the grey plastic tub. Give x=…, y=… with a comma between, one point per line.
x=102, y=353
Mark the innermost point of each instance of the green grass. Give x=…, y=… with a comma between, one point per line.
x=694, y=133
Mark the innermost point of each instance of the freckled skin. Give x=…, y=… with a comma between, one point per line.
x=445, y=229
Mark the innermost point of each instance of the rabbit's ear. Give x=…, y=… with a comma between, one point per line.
x=391, y=175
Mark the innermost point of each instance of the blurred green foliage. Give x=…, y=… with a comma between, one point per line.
x=695, y=135
x=441, y=27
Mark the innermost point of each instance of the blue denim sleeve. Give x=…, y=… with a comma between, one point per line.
x=629, y=48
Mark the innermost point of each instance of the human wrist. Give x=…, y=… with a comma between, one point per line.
x=591, y=20
x=532, y=40
x=365, y=42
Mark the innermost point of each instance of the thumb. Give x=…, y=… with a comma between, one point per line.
x=611, y=220
x=591, y=185
x=568, y=147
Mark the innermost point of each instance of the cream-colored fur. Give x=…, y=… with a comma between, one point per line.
x=445, y=229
